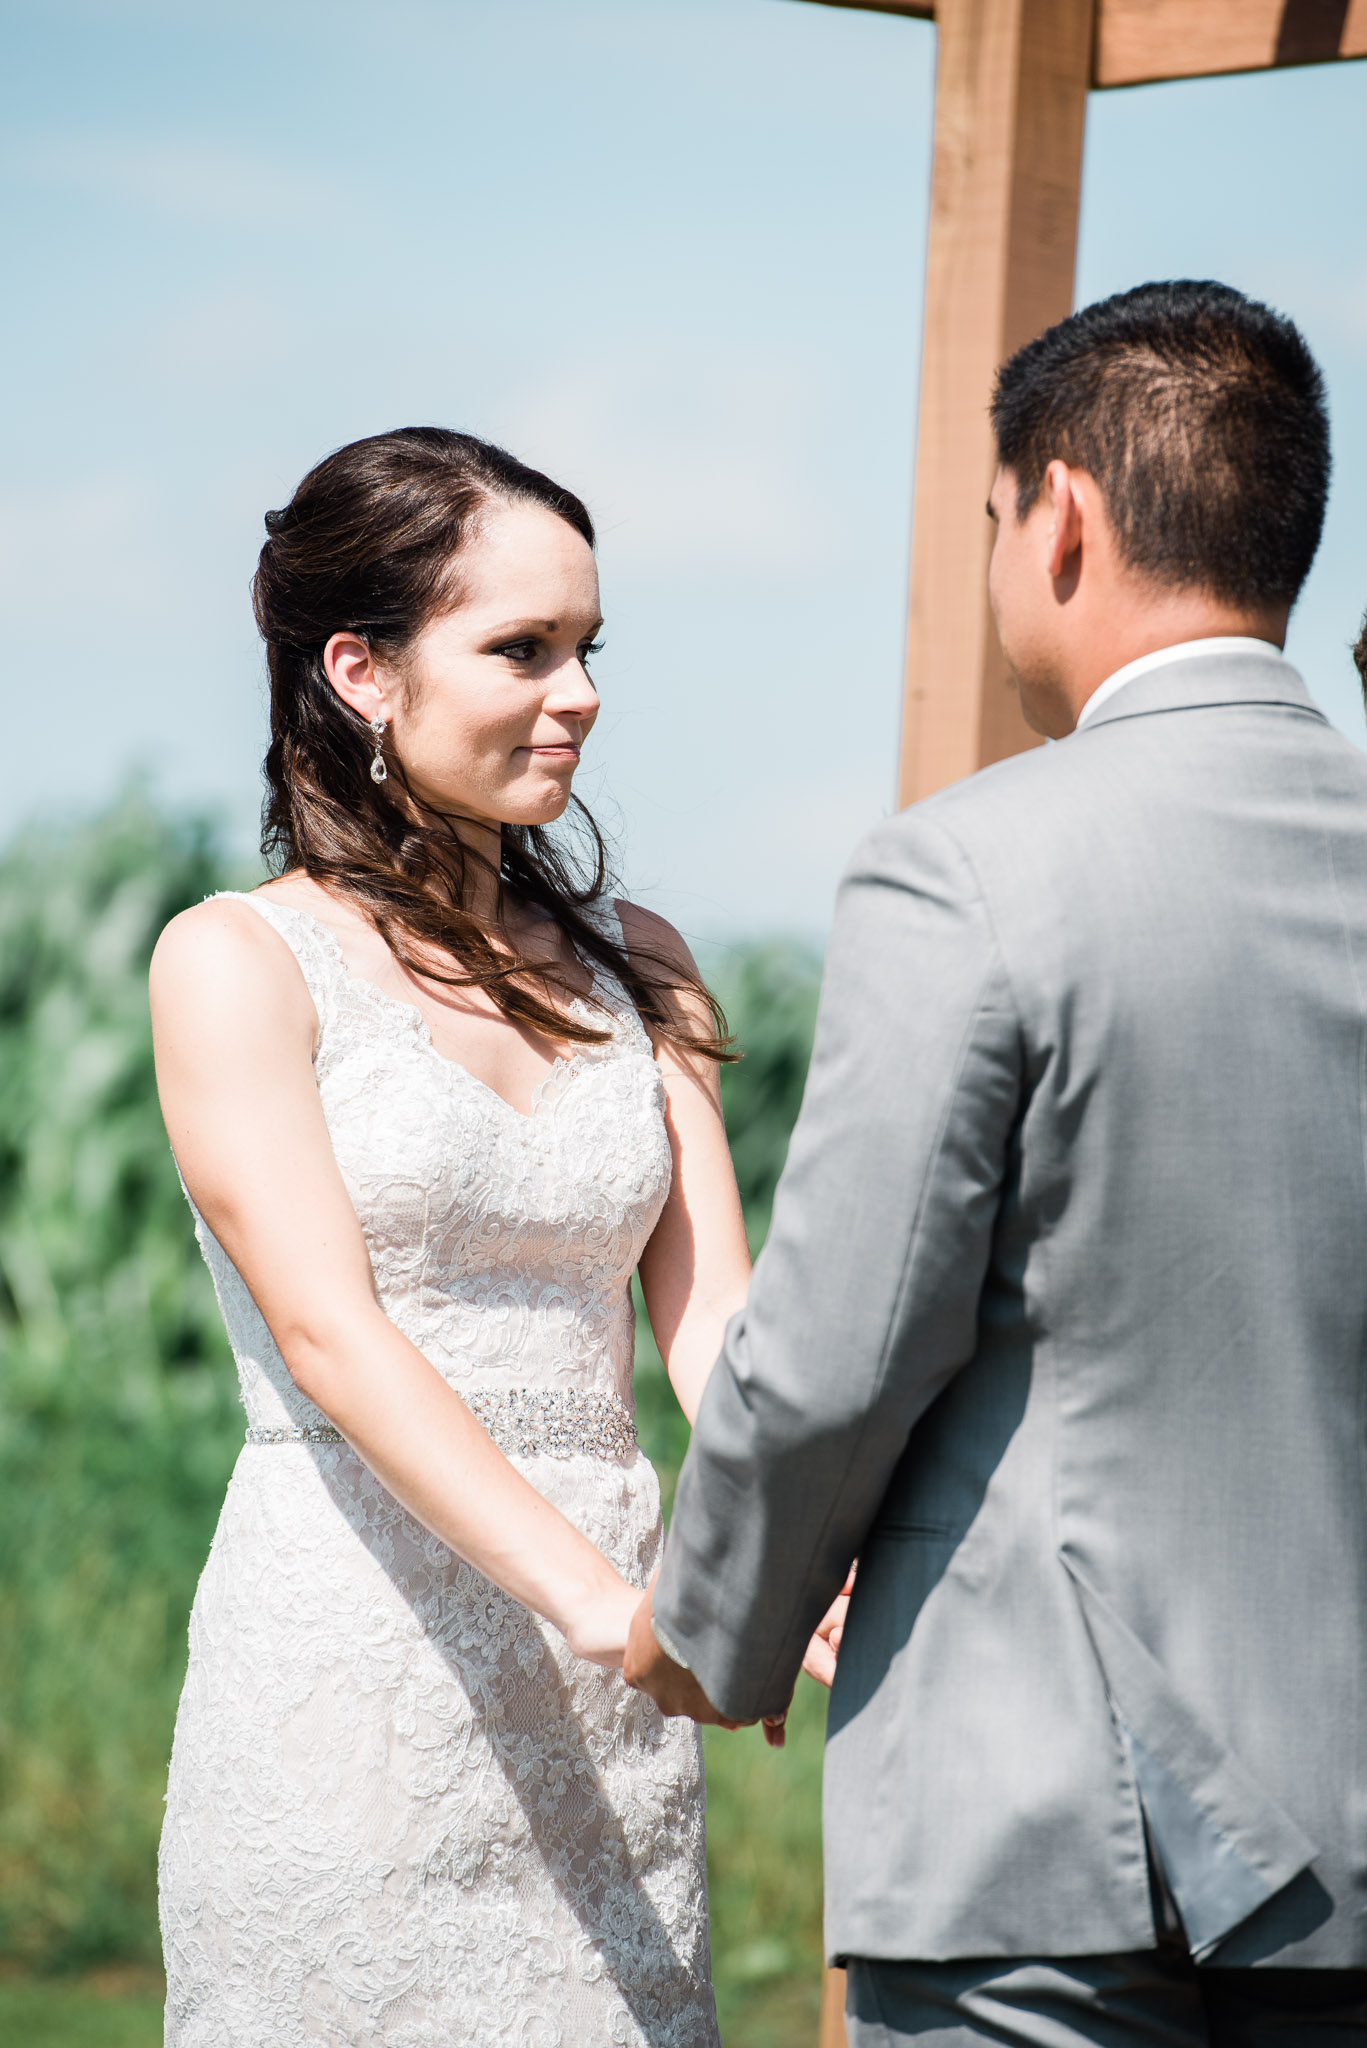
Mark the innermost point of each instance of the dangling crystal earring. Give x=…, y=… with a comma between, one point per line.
x=378, y=771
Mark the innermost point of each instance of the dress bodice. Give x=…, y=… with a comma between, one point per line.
x=502, y=1243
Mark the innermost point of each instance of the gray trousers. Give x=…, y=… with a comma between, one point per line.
x=1156, y=1999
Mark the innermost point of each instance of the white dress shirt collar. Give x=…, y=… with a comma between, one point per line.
x=1185, y=650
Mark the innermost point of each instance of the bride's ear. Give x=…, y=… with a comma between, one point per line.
x=350, y=668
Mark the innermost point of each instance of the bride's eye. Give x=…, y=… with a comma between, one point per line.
x=517, y=650
x=589, y=649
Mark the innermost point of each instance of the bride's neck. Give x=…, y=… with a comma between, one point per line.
x=469, y=855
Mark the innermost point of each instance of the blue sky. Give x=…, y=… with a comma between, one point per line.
x=670, y=250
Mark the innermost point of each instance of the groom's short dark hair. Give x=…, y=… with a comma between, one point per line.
x=1201, y=416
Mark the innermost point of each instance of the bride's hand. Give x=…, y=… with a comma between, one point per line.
x=822, y=1650
x=597, y=1629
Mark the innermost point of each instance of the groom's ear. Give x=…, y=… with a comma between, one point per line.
x=1066, y=520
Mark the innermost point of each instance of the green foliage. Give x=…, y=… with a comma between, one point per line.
x=770, y=995
x=118, y=1420
x=42, y=2013
x=119, y=1423
x=764, y=1877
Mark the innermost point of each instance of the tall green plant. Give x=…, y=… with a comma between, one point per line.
x=770, y=995
x=117, y=1422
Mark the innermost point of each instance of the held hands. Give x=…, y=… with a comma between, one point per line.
x=648, y=1668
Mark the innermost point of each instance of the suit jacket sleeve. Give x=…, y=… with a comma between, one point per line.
x=864, y=1301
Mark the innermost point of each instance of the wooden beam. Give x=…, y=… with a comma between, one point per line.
x=1142, y=42
x=1011, y=96
x=923, y=10
x=1139, y=42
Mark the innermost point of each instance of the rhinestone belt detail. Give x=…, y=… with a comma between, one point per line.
x=525, y=1422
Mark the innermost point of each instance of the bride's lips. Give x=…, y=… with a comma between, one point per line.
x=567, y=752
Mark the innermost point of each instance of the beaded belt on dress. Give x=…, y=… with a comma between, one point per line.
x=525, y=1422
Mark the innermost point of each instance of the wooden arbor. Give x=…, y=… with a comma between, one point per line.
x=1011, y=91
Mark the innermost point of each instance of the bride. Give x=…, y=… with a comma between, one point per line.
x=434, y=1102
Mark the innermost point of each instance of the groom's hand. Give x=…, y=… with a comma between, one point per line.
x=674, y=1689
x=824, y=1648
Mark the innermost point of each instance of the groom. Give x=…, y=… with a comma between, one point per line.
x=1062, y=1324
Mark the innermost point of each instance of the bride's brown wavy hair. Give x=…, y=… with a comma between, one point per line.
x=370, y=544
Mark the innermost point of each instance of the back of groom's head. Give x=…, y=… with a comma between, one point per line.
x=1199, y=414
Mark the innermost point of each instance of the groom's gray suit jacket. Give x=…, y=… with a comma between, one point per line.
x=1062, y=1328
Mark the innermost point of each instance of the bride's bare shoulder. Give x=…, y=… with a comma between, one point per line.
x=650, y=937
x=222, y=952
x=661, y=956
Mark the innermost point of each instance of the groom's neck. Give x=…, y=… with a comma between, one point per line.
x=1147, y=622
x=1128, y=621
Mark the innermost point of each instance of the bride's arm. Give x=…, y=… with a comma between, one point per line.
x=234, y=1029
x=696, y=1267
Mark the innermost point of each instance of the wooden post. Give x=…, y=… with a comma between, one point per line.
x=833, y=2033
x=1010, y=105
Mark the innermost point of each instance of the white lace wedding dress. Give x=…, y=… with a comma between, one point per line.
x=400, y=1812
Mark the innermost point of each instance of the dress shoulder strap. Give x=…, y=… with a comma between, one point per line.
x=605, y=918
x=310, y=941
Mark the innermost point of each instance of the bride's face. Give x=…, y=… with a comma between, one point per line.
x=493, y=701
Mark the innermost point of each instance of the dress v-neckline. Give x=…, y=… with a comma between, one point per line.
x=549, y=1090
